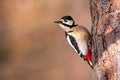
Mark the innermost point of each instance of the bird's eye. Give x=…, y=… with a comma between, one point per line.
x=65, y=20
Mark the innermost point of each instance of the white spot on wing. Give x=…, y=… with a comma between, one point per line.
x=68, y=39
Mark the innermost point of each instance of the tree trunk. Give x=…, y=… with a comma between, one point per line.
x=105, y=15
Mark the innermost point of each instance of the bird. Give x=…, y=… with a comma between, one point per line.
x=78, y=37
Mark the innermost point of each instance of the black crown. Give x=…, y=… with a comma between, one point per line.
x=67, y=18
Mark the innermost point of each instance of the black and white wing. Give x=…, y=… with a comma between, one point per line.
x=71, y=40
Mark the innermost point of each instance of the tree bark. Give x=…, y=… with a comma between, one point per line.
x=105, y=15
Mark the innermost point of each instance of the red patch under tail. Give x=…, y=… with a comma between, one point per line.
x=89, y=55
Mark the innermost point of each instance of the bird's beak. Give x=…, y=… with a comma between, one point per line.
x=57, y=22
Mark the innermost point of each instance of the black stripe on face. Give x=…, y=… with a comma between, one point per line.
x=70, y=26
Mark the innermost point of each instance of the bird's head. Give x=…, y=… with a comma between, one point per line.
x=66, y=22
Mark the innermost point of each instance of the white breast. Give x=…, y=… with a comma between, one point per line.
x=82, y=47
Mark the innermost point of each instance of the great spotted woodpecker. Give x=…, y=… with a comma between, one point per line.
x=78, y=37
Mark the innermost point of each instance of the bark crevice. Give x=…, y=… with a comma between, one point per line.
x=105, y=16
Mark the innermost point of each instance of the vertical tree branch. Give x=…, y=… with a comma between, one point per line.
x=105, y=15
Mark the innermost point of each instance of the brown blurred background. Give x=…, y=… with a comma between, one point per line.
x=32, y=47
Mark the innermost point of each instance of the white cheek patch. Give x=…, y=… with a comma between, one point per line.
x=69, y=22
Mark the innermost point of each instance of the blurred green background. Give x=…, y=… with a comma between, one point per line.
x=32, y=47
